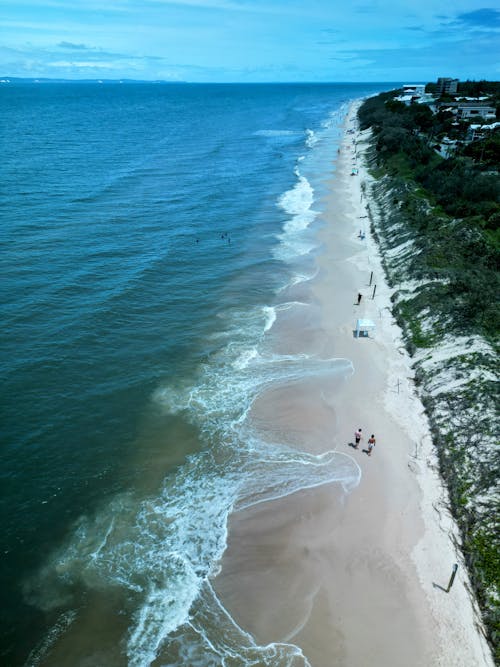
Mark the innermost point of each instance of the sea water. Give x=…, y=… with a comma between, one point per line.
x=150, y=233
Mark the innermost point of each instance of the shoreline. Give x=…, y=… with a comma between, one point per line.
x=354, y=579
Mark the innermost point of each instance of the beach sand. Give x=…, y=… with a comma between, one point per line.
x=354, y=578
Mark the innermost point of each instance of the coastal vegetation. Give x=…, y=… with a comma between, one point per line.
x=436, y=218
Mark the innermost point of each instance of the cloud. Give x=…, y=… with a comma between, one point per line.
x=220, y=5
x=369, y=8
x=95, y=64
x=75, y=47
x=485, y=20
x=485, y=17
x=63, y=61
x=96, y=54
x=465, y=58
x=203, y=40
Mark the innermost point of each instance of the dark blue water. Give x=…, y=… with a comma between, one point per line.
x=146, y=233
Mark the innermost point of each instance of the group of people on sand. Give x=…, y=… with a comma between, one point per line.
x=358, y=436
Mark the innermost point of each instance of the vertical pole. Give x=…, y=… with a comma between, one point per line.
x=398, y=385
x=452, y=578
x=374, y=290
x=371, y=278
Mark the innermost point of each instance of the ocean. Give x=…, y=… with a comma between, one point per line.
x=150, y=237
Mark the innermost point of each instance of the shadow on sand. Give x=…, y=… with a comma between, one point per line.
x=440, y=587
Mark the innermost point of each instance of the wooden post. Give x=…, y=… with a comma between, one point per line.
x=452, y=578
x=371, y=278
x=374, y=290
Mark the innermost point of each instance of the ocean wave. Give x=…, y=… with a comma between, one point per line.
x=291, y=249
x=212, y=635
x=40, y=652
x=335, y=117
x=232, y=379
x=159, y=554
x=298, y=199
x=276, y=133
x=311, y=138
x=297, y=203
x=163, y=551
x=298, y=278
x=274, y=310
x=271, y=317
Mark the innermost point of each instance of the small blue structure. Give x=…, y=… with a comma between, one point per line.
x=363, y=328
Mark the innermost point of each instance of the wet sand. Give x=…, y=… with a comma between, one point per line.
x=349, y=577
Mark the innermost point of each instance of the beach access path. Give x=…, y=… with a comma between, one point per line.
x=358, y=579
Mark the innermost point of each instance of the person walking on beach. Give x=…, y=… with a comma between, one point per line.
x=357, y=438
x=371, y=444
x=360, y=296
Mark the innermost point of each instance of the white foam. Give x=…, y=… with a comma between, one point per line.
x=299, y=199
x=270, y=317
x=245, y=358
x=231, y=640
x=291, y=304
x=163, y=551
x=297, y=203
x=312, y=139
x=198, y=525
x=275, y=133
x=298, y=278
x=292, y=249
x=40, y=652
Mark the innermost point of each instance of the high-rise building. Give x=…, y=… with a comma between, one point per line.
x=447, y=86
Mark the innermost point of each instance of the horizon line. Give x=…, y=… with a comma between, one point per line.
x=8, y=79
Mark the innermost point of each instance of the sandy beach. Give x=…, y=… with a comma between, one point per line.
x=354, y=578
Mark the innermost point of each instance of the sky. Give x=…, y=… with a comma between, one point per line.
x=251, y=40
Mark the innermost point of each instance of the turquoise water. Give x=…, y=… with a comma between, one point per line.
x=149, y=233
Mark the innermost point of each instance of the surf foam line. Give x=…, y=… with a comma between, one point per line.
x=296, y=203
x=272, y=311
x=162, y=551
x=230, y=644
x=165, y=550
x=40, y=652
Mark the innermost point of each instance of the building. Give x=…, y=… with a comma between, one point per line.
x=476, y=131
x=447, y=86
x=468, y=110
x=414, y=89
x=414, y=93
x=407, y=99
